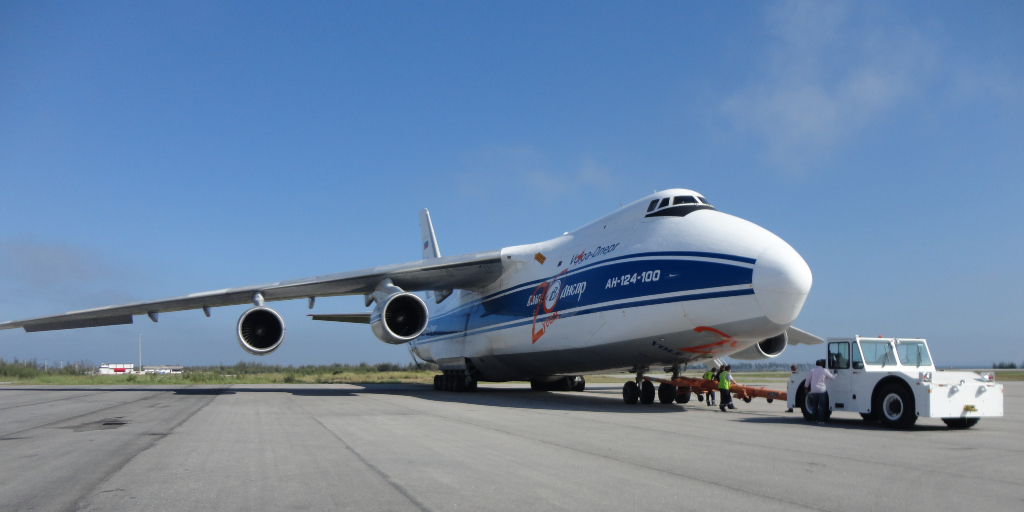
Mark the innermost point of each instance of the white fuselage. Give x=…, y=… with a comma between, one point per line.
x=643, y=286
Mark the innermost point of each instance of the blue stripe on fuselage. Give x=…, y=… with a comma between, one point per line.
x=585, y=290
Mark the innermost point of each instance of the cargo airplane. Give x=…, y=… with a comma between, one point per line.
x=665, y=281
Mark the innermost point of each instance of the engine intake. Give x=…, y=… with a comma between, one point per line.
x=764, y=349
x=260, y=331
x=399, y=318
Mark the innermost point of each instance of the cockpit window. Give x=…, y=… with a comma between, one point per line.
x=681, y=206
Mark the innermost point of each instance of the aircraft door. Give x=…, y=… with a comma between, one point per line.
x=840, y=391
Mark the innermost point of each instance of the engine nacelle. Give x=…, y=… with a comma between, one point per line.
x=764, y=349
x=260, y=331
x=399, y=318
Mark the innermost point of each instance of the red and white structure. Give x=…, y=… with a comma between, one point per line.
x=116, y=369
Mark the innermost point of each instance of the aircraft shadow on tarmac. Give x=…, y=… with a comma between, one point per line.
x=598, y=400
x=842, y=423
x=587, y=401
x=607, y=400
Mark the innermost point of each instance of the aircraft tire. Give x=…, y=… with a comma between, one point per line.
x=437, y=382
x=804, y=400
x=471, y=386
x=960, y=423
x=700, y=397
x=630, y=392
x=666, y=393
x=683, y=395
x=647, y=392
x=537, y=385
x=579, y=384
x=895, y=406
x=447, y=383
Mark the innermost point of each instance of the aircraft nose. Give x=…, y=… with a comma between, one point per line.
x=781, y=282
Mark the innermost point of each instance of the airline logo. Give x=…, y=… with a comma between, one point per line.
x=545, y=299
x=426, y=243
x=599, y=251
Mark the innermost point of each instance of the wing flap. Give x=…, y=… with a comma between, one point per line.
x=78, y=324
x=353, y=318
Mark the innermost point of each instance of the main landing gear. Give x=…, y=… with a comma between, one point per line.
x=643, y=391
x=454, y=380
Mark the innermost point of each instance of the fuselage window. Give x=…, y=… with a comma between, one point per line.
x=684, y=200
x=664, y=203
x=654, y=204
x=705, y=201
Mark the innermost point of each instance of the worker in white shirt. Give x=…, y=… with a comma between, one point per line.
x=815, y=384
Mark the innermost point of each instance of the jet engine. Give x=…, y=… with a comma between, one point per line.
x=399, y=318
x=764, y=349
x=260, y=331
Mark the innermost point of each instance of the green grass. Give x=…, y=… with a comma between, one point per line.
x=1009, y=375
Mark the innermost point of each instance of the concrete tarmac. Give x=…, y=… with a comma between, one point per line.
x=408, y=447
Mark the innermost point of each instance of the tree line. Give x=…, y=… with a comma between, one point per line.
x=31, y=368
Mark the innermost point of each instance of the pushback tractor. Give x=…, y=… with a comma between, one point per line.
x=893, y=380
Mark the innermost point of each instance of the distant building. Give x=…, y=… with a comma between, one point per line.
x=162, y=369
x=116, y=369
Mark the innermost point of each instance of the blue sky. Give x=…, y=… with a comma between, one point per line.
x=156, y=149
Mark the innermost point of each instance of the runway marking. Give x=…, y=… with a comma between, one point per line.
x=81, y=501
x=983, y=478
x=636, y=464
x=48, y=401
x=69, y=418
x=386, y=477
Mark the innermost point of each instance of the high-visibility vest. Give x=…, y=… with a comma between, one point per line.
x=723, y=381
x=709, y=375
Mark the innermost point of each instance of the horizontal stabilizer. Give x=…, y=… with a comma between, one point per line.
x=797, y=337
x=352, y=318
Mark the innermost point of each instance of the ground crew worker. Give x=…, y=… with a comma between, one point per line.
x=724, y=378
x=815, y=384
x=710, y=375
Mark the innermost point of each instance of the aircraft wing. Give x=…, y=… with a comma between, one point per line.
x=797, y=337
x=454, y=272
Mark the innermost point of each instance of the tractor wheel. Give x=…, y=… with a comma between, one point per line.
x=895, y=405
